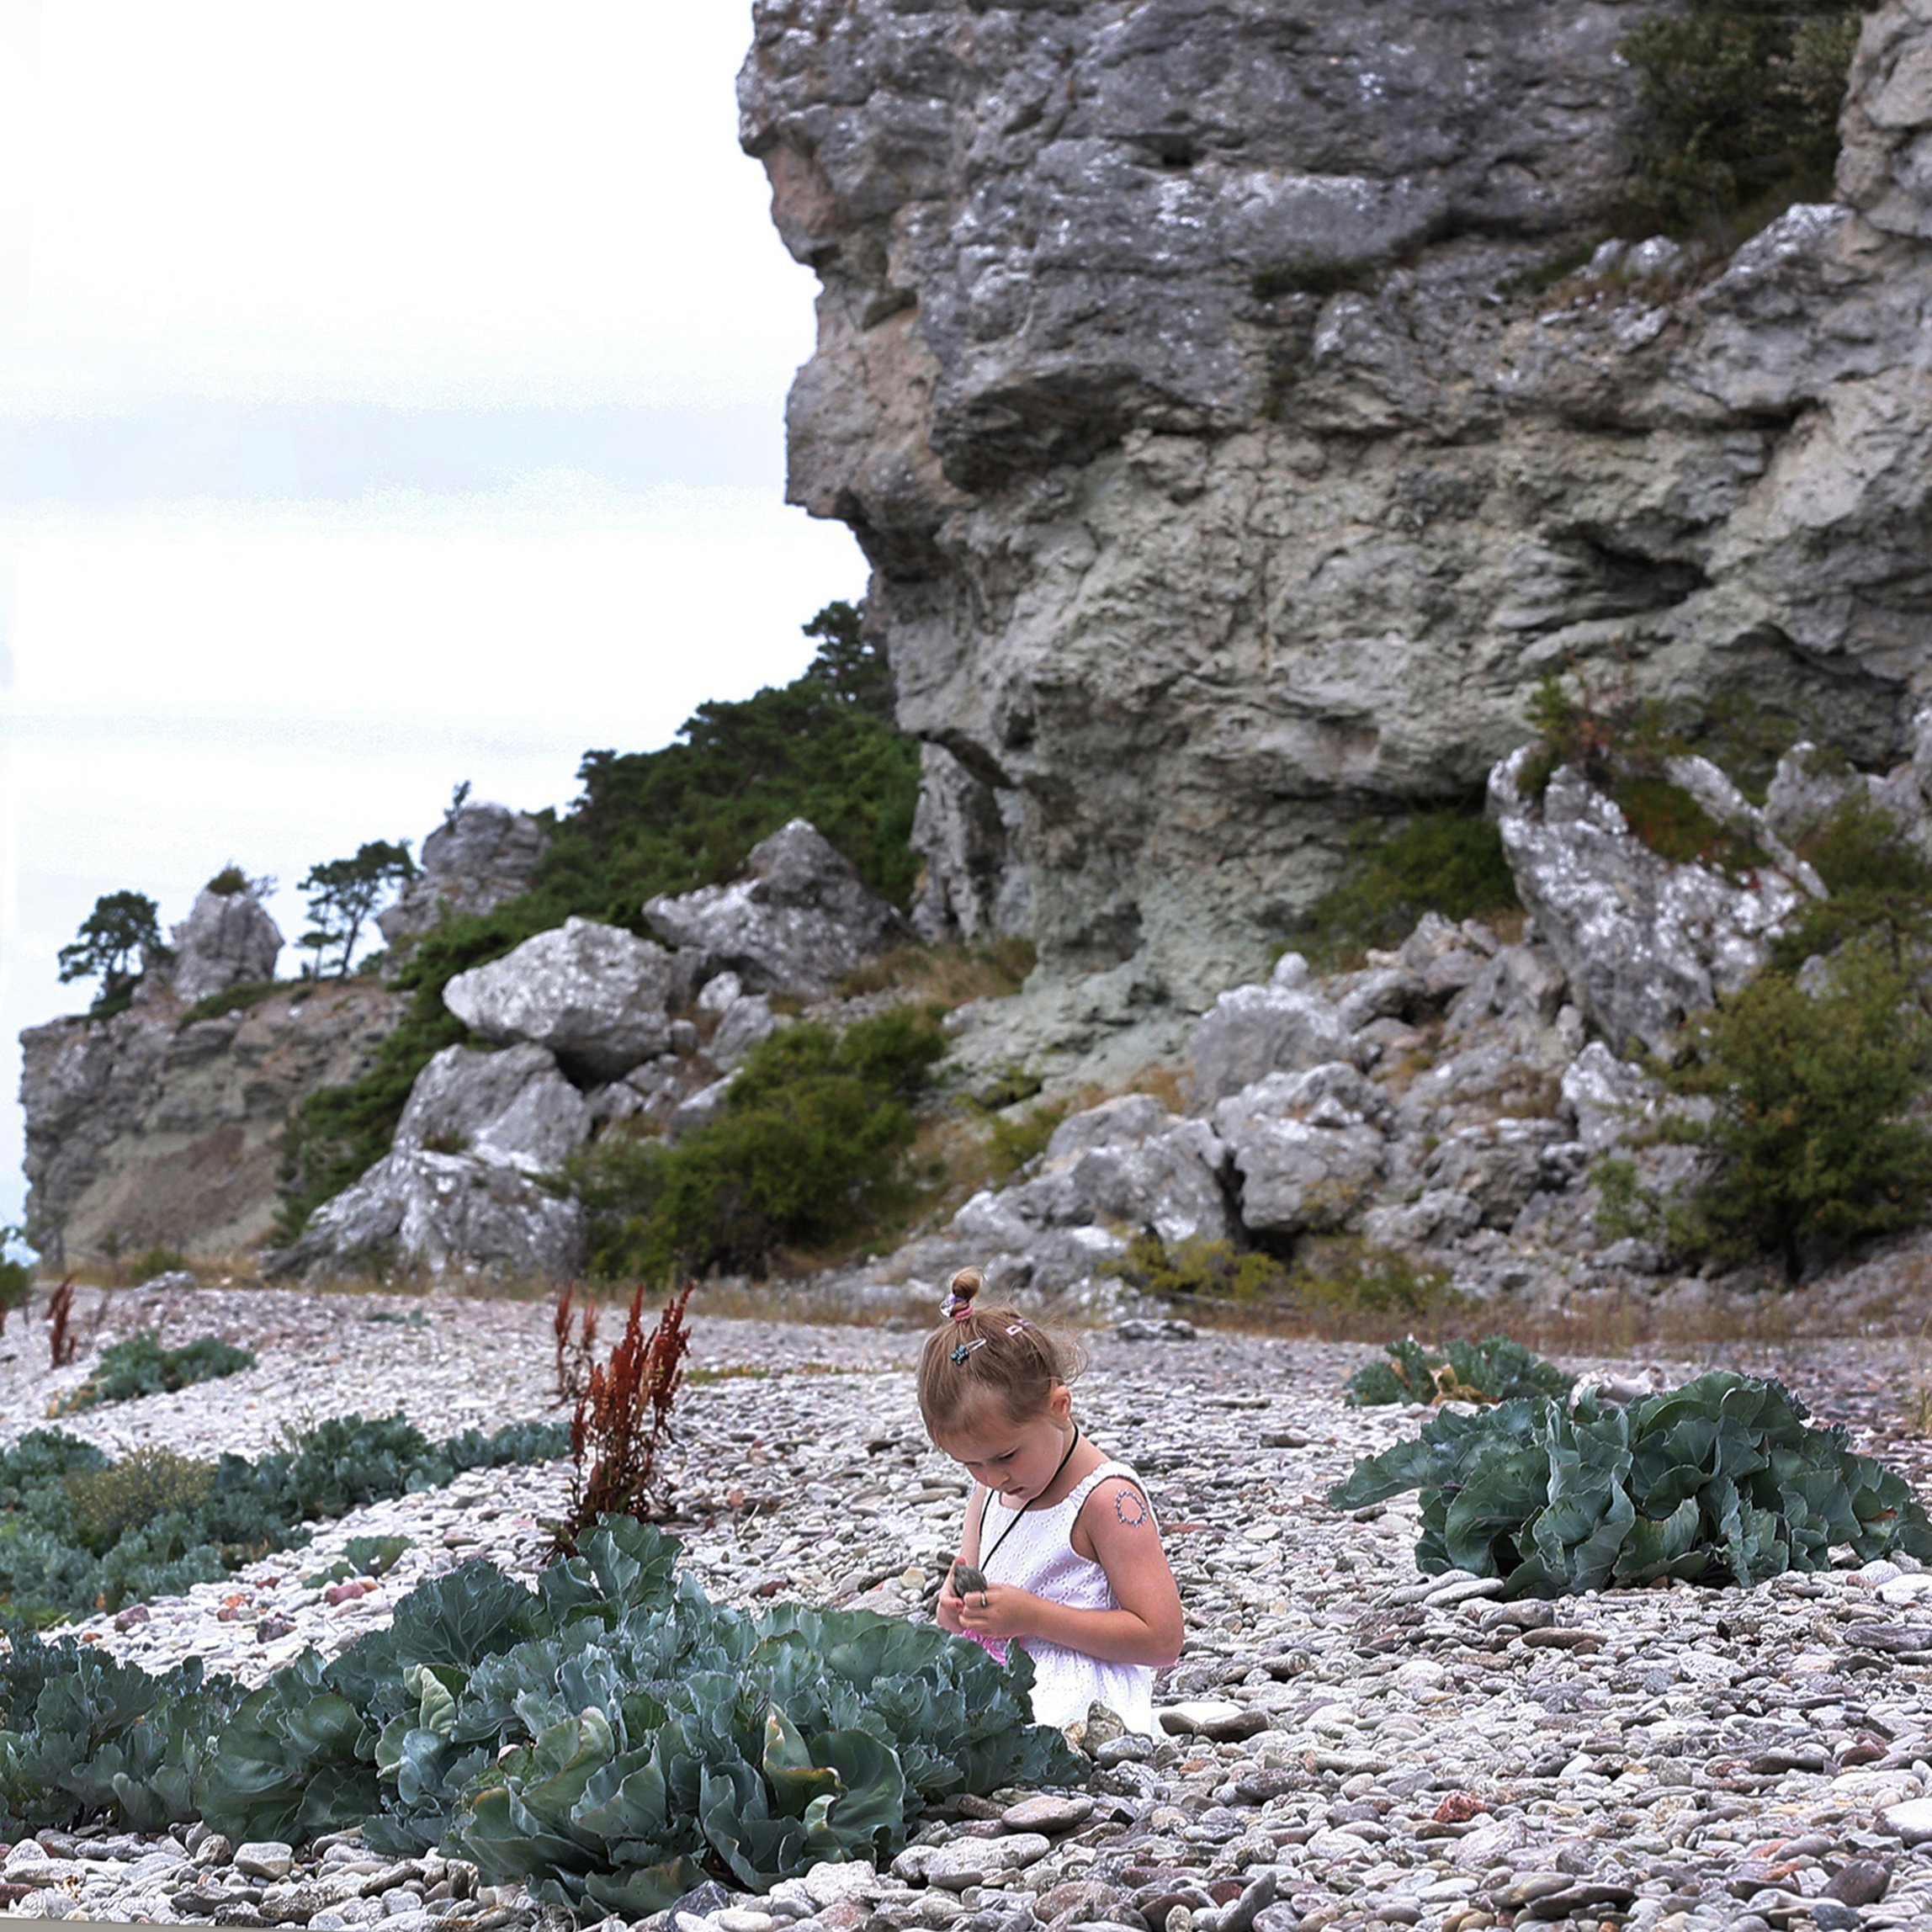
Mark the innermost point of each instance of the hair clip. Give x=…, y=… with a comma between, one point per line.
x=1021, y=1324
x=966, y=1348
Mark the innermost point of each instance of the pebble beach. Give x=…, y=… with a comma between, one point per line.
x=1345, y=1742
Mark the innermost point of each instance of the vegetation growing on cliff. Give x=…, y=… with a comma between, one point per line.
x=822, y=747
x=123, y=926
x=809, y=1146
x=1742, y=100
x=1444, y=861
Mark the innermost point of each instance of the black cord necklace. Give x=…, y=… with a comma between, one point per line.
x=1025, y=1506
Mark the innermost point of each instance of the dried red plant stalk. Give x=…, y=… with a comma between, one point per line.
x=574, y=1356
x=623, y=1417
x=62, y=1344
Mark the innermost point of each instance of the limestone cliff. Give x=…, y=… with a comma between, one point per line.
x=144, y=1129
x=1221, y=479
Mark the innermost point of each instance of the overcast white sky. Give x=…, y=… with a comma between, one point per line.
x=389, y=396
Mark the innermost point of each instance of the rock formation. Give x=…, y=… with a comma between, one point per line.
x=1645, y=942
x=799, y=921
x=142, y=1130
x=440, y=1215
x=227, y=941
x=1229, y=468
x=479, y=857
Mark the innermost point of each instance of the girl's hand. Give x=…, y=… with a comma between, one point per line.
x=947, y=1615
x=1000, y=1610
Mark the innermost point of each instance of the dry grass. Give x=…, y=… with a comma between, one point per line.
x=1598, y=1325
x=951, y=974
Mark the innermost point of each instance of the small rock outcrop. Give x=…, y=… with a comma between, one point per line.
x=228, y=940
x=459, y=1216
x=513, y=1104
x=800, y=920
x=1643, y=942
x=478, y=857
x=593, y=994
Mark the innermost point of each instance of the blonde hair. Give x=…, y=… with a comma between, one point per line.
x=979, y=1354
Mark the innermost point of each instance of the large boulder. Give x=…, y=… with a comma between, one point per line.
x=479, y=857
x=1114, y=1169
x=1308, y=1147
x=440, y=1214
x=228, y=940
x=513, y=1104
x=799, y=923
x=593, y=994
x=1284, y=1027
x=1643, y=941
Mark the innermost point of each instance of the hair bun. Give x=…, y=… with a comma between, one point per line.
x=964, y=1285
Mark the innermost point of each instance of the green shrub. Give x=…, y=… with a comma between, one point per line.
x=78, y=1533
x=1811, y=1136
x=1492, y=1370
x=16, y=1286
x=1197, y=1266
x=1742, y=99
x=822, y=747
x=145, y=1483
x=1014, y=1143
x=808, y=1148
x=158, y=1260
x=1720, y=1481
x=1880, y=885
x=1446, y=862
x=140, y=1366
x=1343, y=1276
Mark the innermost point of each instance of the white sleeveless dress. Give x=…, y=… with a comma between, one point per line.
x=1037, y=1555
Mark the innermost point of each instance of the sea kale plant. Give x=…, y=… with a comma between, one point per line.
x=79, y=1533
x=1721, y=1481
x=612, y=1737
x=140, y=1366
x=1492, y=1370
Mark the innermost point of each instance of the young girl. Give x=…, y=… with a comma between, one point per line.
x=1073, y=1569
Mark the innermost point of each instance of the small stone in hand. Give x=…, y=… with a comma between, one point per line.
x=968, y=1578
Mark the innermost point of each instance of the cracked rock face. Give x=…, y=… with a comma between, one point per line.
x=1223, y=479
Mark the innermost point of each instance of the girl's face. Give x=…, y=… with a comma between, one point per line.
x=1015, y=1460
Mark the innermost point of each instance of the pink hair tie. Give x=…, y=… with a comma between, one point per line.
x=957, y=1310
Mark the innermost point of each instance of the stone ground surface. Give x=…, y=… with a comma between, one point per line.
x=1355, y=1745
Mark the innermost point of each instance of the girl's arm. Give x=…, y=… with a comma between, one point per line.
x=1146, y=1628
x=947, y=1613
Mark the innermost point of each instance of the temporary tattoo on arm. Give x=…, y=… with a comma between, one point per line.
x=1129, y=1508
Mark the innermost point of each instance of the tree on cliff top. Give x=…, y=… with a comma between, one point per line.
x=342, y=892
x=122, y=925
